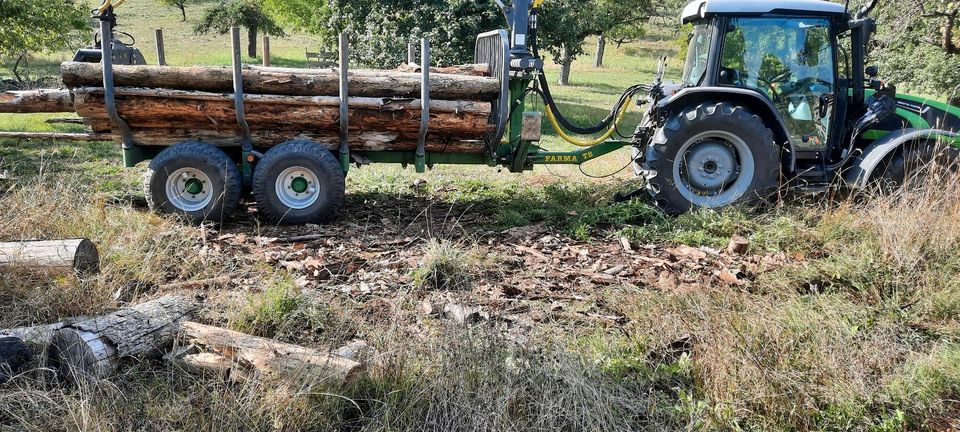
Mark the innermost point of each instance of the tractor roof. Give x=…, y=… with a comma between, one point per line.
x=703, y=8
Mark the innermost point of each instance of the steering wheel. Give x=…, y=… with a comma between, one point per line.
x=775, y=94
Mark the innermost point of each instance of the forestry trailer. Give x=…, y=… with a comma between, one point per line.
x=773, y=94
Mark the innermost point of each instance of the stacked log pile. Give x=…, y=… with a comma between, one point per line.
x=167, y=105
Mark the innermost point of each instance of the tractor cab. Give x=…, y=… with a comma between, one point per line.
x=787, y=54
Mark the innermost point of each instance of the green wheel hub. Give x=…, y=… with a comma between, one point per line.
x=193, y=186
x=299, y=185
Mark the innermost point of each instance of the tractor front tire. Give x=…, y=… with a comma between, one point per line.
x=193, y=179
x=918, y=164
x=712, y=155
x=299, y=182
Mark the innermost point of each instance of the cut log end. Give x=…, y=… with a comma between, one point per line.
x=78, y=354
x=14, y=355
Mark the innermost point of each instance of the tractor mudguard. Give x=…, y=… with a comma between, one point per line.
x=753, y=100
x=861, y=171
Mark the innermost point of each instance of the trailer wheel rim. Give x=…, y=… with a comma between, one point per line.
x=298, y=187
x=714, y=169
x=189, y=189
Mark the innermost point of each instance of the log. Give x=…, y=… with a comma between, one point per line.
x=14, y=355
x=77, y=256
x=478, y=69
x=94, y=348
x=290, y=82
x=54, y=136
x=366, y=141
x=40, y=335
x=36, y=101
x=270, y=358
x=145, y=108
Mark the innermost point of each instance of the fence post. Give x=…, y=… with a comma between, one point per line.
x=411, y=53
x=161, y=56
x=266, y=50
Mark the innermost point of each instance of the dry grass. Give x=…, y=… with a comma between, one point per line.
x=134, y=247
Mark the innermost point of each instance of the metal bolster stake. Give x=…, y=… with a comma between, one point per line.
x=106, y=38
x=420, y=161
x=245, y=141
x=344, y=102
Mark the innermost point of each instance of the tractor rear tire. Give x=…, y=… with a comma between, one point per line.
x=713, y=155
x=193, y=179
x=299, y=182
x=918, y=164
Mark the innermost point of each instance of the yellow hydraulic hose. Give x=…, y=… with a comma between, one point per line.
x=572, y=140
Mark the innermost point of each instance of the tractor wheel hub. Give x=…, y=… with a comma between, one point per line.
x=711, y=166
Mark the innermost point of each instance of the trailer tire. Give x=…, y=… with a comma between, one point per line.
x=299, y=182
x=193, y=179
x=713, y=155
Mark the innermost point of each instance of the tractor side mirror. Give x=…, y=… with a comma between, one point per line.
x=872, y=71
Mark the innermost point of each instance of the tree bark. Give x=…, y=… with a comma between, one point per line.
x=466, y=69
x=93, y=348
x=285, y=81
x=56, y=136
x=271, y=358
x=78, y=256
x=36, y=101
x=165, y=117
x=565, y=63
x=252, y=41
x=40, y=335
x=601, y=47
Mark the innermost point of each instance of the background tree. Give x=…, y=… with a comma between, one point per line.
x=37, y=26
x=248, y=14
x=179, y=4
x=918, y=46
x=621, y=21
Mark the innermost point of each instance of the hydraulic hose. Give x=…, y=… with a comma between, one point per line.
x=583, y=143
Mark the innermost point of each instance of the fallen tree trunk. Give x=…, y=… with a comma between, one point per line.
x=40, y=335
x=36, y=101
x=291, y=82
x=73, y=255
x=271, y=358
x=93, y=348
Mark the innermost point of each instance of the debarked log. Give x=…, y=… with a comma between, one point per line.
x=78, y=256
x=271, y=358
x=36, y=101
x=292, y=82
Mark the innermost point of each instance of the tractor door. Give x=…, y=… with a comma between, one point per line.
x=791, y=61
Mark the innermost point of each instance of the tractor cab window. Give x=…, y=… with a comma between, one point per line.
x=790, y=60
x=697, y=55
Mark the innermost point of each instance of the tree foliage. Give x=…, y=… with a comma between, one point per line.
x=918, y=45
x=39, y=25
x=179, y=4
x=248, y=14
x=380, y=30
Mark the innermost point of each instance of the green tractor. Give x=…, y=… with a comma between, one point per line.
x=777, y=93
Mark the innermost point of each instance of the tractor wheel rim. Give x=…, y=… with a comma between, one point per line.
x=298, y=187
x=189, y=189
x=714, y=169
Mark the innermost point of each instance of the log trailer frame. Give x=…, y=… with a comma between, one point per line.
x=716, y=139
